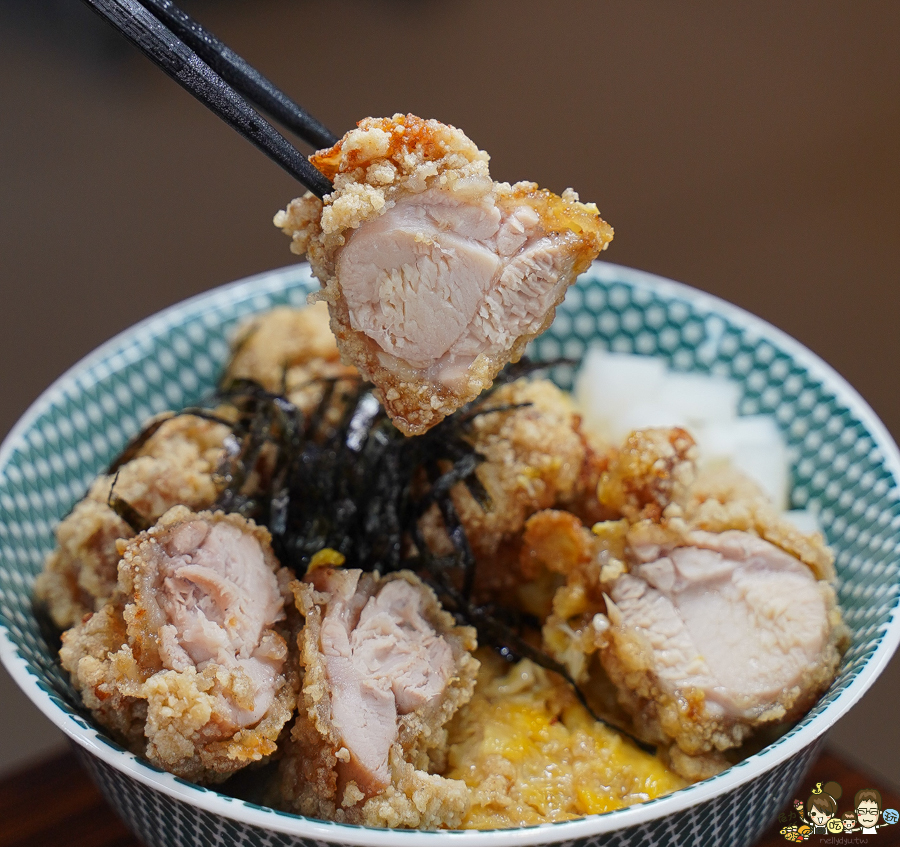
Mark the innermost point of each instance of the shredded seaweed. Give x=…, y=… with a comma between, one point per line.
x=125, y=510
x=343, y=477
x=136, y=444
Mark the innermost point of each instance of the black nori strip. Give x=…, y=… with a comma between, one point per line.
x=125, y=510
x=136, y=443
x=360, y=487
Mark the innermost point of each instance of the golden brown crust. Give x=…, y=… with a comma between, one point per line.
x=655, y=476
x=309, y=780
x=372, y=167
x=519, y=473
x=286, y=346
x=174, y=467
x=293, y=351
x=177, y=719
x=652, y=469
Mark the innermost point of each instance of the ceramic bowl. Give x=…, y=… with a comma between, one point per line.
x=845, y=468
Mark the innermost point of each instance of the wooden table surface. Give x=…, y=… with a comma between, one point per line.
x=55, y=804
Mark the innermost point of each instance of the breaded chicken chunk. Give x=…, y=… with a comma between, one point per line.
x=290, y=351
x=175, y=466
x=385, y=668
x=186, y=663
x=713, y=635
x=519, y=471
x=711, y=616
x=435, y=275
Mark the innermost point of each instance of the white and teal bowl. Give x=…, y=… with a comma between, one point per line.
x=845, y=468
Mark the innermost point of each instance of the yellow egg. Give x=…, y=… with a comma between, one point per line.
x=532, y=753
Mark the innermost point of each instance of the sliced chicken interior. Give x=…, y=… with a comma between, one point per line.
x=217, y=593
x=731, y=615
x=713, y=634
x=186, y=662
x=383, y=659
x=435, y=275
x=384, y=670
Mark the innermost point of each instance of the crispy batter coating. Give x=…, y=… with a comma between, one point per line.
x=520, y=474
x=293, y=351
x=430, y=175
x=653, y=468
x=319, y=774
x=174, y=467
x=661, y=504
x=289, y=350
x=180, y=695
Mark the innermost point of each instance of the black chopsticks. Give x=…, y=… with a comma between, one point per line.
x=182, y=58
x=246, y=79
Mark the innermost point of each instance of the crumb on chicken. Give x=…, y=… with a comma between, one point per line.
x=188, y=708
x=433, y=326
x=174, y=467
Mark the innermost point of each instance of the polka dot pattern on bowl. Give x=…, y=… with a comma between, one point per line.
x=844, y=468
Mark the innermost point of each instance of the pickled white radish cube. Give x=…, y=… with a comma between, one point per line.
x=608, y=384
x=756, y=447
x=700, y=399
x=804, y=520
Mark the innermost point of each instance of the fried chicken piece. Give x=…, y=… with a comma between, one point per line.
x=385, y=668
x=290, y=351
x=175, y=466
x=534, y=458
x=706, y=637
x=713, y=635
x=267, y=345
x=435, y=276
x=711, y=615
x=185, y=663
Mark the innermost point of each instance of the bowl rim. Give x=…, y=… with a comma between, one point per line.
x=210, y=800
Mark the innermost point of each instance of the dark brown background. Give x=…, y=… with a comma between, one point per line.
x=751, y=150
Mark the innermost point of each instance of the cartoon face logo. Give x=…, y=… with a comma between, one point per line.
x=849, y=822
x=819, y=816
x=867, y=812
x=821, y=808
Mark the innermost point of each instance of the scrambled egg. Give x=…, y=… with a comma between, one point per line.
x=531, y=753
